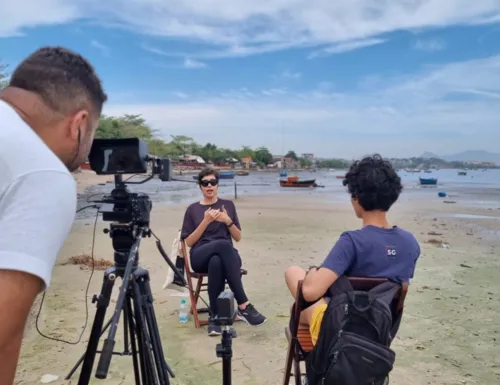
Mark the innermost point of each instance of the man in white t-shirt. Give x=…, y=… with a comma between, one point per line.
x=49, y=113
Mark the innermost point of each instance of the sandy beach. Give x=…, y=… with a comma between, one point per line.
x=449, y=335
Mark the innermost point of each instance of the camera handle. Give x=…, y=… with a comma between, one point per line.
x=224, y=350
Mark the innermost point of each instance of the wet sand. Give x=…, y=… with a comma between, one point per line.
x=87, y=178
x=449, y=335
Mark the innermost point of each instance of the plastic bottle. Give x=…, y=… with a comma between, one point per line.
x=183, y=315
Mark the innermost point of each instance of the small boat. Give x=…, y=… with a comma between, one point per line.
x=283, y=173
x=242, y=173
x=462, y=173
x=428, y=181
x=428, y=171
x=294, y=181
x=227, y=175
x=340, y=176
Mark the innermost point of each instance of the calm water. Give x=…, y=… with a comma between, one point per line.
x=475, y=183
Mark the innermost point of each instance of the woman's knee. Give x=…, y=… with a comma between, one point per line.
x=215, y=262
x=223, y=247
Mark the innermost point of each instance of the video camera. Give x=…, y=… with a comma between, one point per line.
x=127, y=156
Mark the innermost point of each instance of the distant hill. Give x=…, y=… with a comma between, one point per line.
x=467, y=156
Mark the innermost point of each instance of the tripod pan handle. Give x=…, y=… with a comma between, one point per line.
x=105, y=359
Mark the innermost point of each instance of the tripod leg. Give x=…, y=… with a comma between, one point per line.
x=155, y=334
x=68, y=377
x=130, y=320
x=102, y=304
x=125, y=328
x=142, y=338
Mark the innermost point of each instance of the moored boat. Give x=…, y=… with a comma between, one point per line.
x=462, y=173
x=428, y=181
x=242, y=173
x=340, y=176
x=227, y=175
x=294, y=181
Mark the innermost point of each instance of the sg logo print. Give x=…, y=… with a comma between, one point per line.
x=390, y=251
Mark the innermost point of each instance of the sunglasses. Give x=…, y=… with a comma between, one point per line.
x=212, y=182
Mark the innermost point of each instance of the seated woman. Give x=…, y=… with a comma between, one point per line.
x=208, y=229
x=377, y=250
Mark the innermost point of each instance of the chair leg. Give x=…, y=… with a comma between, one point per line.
x=290, y=358
x=195, y=304
x=194, y=299
x=296, y=370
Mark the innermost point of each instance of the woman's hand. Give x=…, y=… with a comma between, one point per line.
x=212, y=215
x=223, y=217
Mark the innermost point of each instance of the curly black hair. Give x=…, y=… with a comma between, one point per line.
x=206, y=172
x=63, y=79
x=374, y=183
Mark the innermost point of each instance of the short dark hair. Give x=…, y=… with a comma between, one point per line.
x=206, y=172
x=374, y=183
x=63, y=79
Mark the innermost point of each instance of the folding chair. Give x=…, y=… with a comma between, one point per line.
x=299, y=338
x=201, y=286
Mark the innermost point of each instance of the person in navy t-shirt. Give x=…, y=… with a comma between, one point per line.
x=377, y=250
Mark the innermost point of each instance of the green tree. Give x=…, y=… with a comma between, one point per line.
x=263, y=156
x=184, y=144
x=305, y=162
x=331, y=163
x=292, y=154
x=245, y=152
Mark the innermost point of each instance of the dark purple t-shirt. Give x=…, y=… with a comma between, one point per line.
x=375, y=252
x=215, y=230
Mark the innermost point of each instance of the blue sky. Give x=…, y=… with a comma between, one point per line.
x=341, y=78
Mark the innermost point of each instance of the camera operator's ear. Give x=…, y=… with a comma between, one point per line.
x=79, y=124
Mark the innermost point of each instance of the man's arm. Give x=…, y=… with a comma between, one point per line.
x=36, y=215
x=338, y=261
x=18, y=291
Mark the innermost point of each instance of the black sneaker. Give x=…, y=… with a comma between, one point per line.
x=213, y=329
x=251, y=316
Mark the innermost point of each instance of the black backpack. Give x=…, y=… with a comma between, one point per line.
x=355, y=336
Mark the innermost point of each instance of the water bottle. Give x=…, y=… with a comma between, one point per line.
x=183, y=315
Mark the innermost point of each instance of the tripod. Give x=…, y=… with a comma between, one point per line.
x=224, y=350
x=135, y=301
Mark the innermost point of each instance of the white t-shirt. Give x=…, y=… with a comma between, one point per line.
x=37, y=199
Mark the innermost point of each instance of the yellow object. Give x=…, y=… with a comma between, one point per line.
x=316, y=320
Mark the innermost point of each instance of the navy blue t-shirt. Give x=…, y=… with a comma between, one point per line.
x=376, y=253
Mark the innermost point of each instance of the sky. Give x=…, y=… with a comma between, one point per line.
x=335, y=78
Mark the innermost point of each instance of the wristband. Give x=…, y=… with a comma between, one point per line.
x=229, y=225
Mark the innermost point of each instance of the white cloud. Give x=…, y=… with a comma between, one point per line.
x=105, y=51
x=289, y=75
x=430, y=45
x=180, y=95
x=344, y=47
x=242, y=27
x=456, y=104
x=16, y=15
x=193, y=64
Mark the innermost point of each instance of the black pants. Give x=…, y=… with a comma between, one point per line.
x=222, y=262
